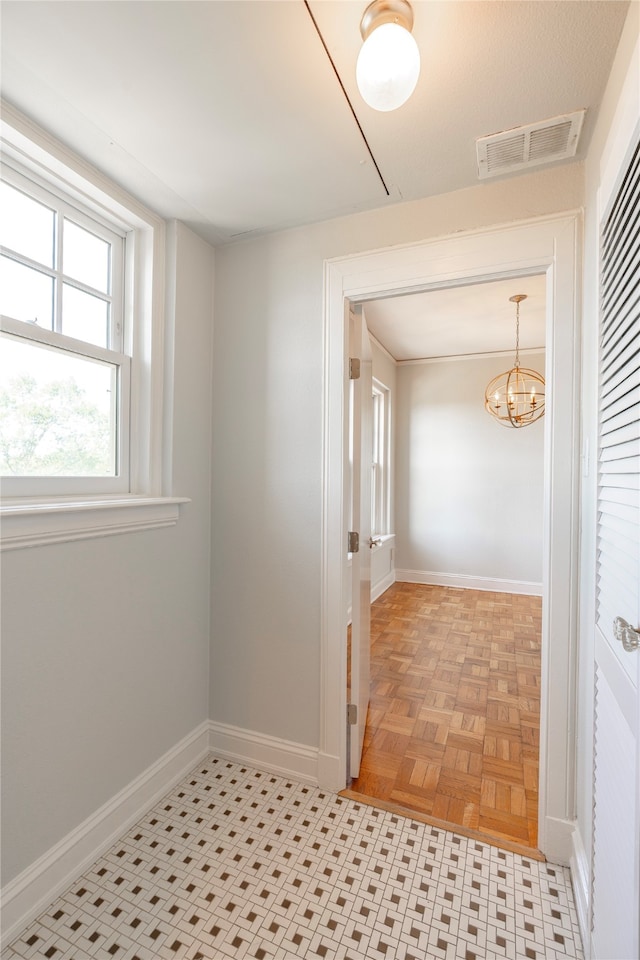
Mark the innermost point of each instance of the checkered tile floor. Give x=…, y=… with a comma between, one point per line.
x=237, y=863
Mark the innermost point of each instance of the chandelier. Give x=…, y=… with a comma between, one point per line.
x=516, y=398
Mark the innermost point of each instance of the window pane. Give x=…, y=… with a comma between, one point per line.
x=85, y=257
x=26, y=226
x=25, y=294
x=84, y=316
x=57, y=412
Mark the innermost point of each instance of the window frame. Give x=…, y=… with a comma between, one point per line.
x=380, y=459
x=55, y=200
x=29, y=519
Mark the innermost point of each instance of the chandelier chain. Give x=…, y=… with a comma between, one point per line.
x=517, y=334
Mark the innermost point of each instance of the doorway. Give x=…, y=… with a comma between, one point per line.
x=548, y=246
x=452, y=730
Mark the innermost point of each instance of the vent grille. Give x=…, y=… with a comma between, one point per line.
x=524, y=147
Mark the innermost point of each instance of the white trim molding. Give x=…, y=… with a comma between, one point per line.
x=558, y=835
x=528, y=351
x=24, y=897
x=35, y=524
x=549, y=246
x=273, y=754
x=467, y=582
x=581, y=882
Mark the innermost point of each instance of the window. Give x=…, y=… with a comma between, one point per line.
x=380, y=461
x=82, y=363
x=64, y=374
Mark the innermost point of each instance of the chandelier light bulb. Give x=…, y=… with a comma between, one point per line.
x=388, y=64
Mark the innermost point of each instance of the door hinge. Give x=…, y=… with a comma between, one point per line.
x=354, y=368
x=353, y=544
x=352, y=714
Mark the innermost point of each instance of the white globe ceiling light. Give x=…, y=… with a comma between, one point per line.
x=389, y=61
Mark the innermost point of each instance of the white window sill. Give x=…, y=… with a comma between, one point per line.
x=34, y=523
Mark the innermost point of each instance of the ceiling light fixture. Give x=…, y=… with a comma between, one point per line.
x=516, y=398
x=389, y=60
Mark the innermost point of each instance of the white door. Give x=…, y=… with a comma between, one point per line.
x=615, y=925
x=360, y=455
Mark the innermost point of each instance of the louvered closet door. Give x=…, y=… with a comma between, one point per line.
x=616, y=857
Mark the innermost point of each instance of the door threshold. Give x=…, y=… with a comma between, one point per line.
x=492, y=841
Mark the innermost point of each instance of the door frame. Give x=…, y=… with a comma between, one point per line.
x=548, y=245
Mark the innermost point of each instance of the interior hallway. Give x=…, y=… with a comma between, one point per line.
x=238, y=863
x=454, y=716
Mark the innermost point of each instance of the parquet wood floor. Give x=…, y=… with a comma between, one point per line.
x=453, y=725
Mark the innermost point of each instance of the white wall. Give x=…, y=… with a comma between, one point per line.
x=267, y=478
x=469, y=491
x=105, y=643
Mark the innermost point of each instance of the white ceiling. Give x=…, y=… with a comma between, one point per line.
x=228, y=115
x=476, y=319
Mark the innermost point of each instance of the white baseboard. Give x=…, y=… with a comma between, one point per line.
x=283, y=757
x=581, y=881
x=377, y=589
x=525, y=587
x=24, y=897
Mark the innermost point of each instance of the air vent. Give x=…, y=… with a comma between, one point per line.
x=524, y=147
